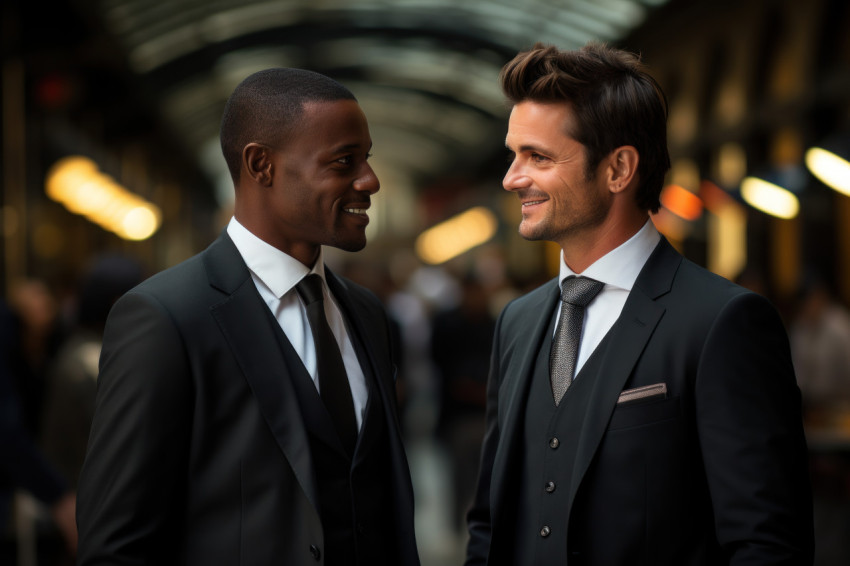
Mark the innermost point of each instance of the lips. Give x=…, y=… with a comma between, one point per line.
x=358, y=209
x=528, y=198
x=533, y=202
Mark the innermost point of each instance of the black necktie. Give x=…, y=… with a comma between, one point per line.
x=576, y=293
x=334, y=387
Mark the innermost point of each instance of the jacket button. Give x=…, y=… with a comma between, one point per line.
x=550, y=487
x=544, y=532
x=554, y=443
x=314, y=550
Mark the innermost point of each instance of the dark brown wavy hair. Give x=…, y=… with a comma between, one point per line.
x=615, y=100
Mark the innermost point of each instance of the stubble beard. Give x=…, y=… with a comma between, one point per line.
x=550, y=230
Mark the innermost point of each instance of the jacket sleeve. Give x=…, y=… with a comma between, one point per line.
x=479, y=519
x=750, y=431
x=133, y=477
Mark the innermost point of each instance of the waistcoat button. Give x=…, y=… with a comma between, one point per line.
x=554, y=443
x=550, y=487
x=544, y=532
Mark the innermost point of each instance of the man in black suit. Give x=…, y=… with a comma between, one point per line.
x=678, y=440
x=219, y=435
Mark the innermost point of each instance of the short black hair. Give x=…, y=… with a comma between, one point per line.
x=267, y=108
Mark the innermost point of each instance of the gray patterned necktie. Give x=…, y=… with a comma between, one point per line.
x=576, y=294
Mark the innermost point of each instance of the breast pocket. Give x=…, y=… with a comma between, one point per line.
x=646, y=413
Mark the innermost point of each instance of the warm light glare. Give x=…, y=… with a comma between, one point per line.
x=681, y=202
x=829, y=168
x=770, y=198
x=77, y=183
x=139, y=223
x=731, y=164
x=456, y=235
x=726, y=230
x=715, y=198
x=672, y=226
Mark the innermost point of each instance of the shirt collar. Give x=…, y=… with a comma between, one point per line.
x=279, y=271
x=620, y=267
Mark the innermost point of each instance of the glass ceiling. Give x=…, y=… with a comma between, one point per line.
x=425, y=71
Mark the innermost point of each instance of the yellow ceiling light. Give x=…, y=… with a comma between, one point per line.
x=140, y=222
x=831, y=169
x=456, y=235
x=78, y=184
x=769, y=198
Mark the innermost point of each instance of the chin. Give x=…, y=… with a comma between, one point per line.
x=351, y=245
x=531, y=233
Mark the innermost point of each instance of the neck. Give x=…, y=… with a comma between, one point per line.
x=583, y=250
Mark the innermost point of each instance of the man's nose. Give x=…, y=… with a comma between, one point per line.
x=516, y=178
x=368, y=181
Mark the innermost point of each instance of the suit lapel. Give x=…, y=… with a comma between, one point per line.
x=528, y=334
x=373, y=356
x=358, y=322
x=245, y=324
x=628, y=338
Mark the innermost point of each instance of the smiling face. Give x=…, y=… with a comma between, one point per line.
x=321, y=183
x=562, y=199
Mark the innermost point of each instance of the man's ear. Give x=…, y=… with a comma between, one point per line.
x=257, y=163
x=622, y=168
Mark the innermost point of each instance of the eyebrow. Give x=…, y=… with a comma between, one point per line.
x=349, y=147
x=524, y=148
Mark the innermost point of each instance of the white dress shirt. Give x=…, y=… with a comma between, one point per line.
x=275, y=275
x=618, y=270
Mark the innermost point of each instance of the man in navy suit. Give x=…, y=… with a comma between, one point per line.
x=678, y=440
x=213, y=439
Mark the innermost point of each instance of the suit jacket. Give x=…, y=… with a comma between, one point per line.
x=198, y=453
x=715, y=473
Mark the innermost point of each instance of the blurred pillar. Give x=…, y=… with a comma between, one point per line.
x=843, y=229
x=14, y=170
x=785, y=252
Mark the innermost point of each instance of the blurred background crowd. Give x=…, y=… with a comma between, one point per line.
x=110, y=171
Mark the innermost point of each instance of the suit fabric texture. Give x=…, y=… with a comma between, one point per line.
x=712, y=473
x=199, y=452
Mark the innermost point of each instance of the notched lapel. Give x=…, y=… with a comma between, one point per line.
x=527, y=335
x=355, y=316
x=358, y=321
x=245, y=324
x=629, y=336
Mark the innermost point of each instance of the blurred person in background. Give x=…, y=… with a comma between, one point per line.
x=460, y=346
x=820, y=346
x=246, y=409
x=38, y=336
x=72, y=377
x=23, y=465
x=664, y=427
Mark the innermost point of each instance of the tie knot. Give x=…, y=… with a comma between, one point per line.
x=579, y=291
x=310, y=289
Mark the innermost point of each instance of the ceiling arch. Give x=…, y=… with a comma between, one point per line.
x=425, y=71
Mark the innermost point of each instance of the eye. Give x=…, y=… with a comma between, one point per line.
x=346, y=160
x=537, y=158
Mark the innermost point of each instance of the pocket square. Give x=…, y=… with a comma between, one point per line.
x=654, y=391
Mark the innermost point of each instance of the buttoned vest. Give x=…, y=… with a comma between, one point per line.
x=547, y=455
x=354, y=494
